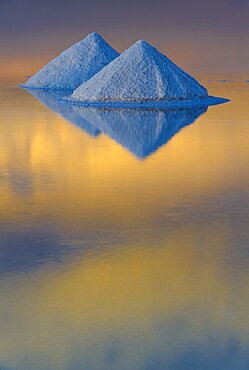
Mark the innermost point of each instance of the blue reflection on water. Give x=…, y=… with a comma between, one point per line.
x=209, y=358
x=25, y=250
x=50, y=99
x=141, y=131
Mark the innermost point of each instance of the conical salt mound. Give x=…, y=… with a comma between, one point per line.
x=140, y=74
x=74, y=65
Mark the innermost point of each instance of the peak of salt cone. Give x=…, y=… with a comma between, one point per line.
x=140, y=74
x=140, y=44
x=94, y=36
x=75, y=65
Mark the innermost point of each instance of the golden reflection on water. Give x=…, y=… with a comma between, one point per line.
x=66, y=167
x=162, y=299
x=175, y=277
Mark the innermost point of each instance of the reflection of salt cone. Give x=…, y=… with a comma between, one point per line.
x=141, y=131
x=50, y=99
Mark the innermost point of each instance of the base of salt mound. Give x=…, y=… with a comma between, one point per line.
x=152, y=104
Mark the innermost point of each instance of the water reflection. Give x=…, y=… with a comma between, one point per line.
x=141, y=131
x=111, y=263
x=179, y=306
x=50, y=99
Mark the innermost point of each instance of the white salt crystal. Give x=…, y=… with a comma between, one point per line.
x=74, y=65
x=140, y=74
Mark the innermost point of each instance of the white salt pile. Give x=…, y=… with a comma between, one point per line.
x=141, y=76
x=74, y=65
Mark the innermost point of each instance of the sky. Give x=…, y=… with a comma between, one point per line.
x=203, y=37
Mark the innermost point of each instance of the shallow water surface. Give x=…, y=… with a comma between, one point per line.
x=124, y=235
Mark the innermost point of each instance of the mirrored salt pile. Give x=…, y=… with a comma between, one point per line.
x=75, y=65
x=51, y=99
x=142, y=77
x=141, y=131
